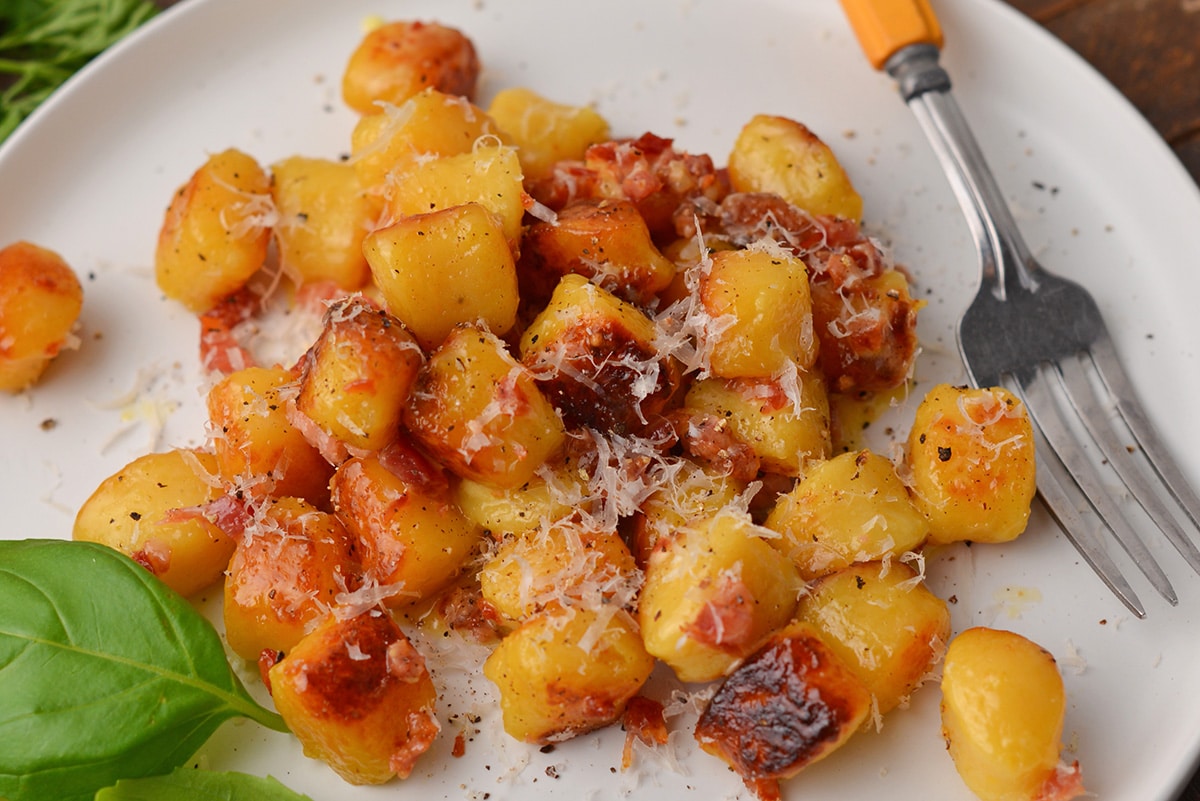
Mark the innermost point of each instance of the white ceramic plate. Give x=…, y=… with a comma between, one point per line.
x=1097, y=193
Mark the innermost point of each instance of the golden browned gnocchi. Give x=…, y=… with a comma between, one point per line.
x=40, y=302
x=972, y=465
x=429, y=268
x=356, y=377
x=216, y=231
x=883, y=622
x=567, y=671
x=413, y=539
x=291, y=563
x=430, y=123
x=712, y=594
x=259, y=450
x=489, y=175
x=762, y=314
x=323, y=216
x=153, y=510
x=851, y=508
x=480, y=412
x=792, y=703
x=399, y=59
x=605, y=240
x=786, y=427
x=576, y=375
x=358, y=696
x=546, y=132
x=779, y=155
x=558, y=565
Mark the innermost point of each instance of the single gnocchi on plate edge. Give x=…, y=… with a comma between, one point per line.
x=575, y=397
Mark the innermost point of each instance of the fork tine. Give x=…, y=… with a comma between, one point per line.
x=1083, y=398
x=1053, y=481
x=1104, y=355
x=1043, y=409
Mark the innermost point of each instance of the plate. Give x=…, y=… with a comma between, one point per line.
x=1099, y=196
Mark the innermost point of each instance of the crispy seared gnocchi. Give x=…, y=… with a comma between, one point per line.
x=356, y=377
x=792, y=703
x=397, y=504
x=481, y=413
x=397, y=60
x=291, y=563
x=259, y=450
x=358, y=696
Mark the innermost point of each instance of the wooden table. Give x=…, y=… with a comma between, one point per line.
x=1149, y=50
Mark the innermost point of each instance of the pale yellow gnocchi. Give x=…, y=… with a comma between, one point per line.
x=1003, y=706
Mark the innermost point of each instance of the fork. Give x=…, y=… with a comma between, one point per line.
x=1040, y=335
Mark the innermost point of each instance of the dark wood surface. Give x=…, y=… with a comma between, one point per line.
x=1148, y=49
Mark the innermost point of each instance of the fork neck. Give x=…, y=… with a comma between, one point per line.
x=925, y=86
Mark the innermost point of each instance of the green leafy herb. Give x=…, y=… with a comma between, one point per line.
x=107, y=674
x=200, y=785
x=44, y=42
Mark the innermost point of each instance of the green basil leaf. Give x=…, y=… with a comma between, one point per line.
x=200, y=785
x=107, y=673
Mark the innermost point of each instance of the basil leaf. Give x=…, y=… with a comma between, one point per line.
x=200, y=785
x=107, y=673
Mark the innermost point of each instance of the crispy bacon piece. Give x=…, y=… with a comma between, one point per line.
x=863, y=316
x=710, y=439
x=464, y=610
x=645, y=721
x=646, y=171
x=600, y=376
x=220, y=350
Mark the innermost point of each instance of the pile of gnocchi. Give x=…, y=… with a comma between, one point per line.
x=575, y=397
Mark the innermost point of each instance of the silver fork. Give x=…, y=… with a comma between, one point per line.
x=1042, y=337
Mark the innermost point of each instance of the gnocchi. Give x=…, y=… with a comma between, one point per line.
x=40, y=302
x=572, y=397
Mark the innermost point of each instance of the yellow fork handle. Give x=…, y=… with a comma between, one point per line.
x=884, y=27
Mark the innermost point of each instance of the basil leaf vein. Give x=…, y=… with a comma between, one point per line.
x=107, y=673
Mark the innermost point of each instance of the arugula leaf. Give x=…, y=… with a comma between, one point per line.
x=107, y=673
x=44, y=42
x=200, y=785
